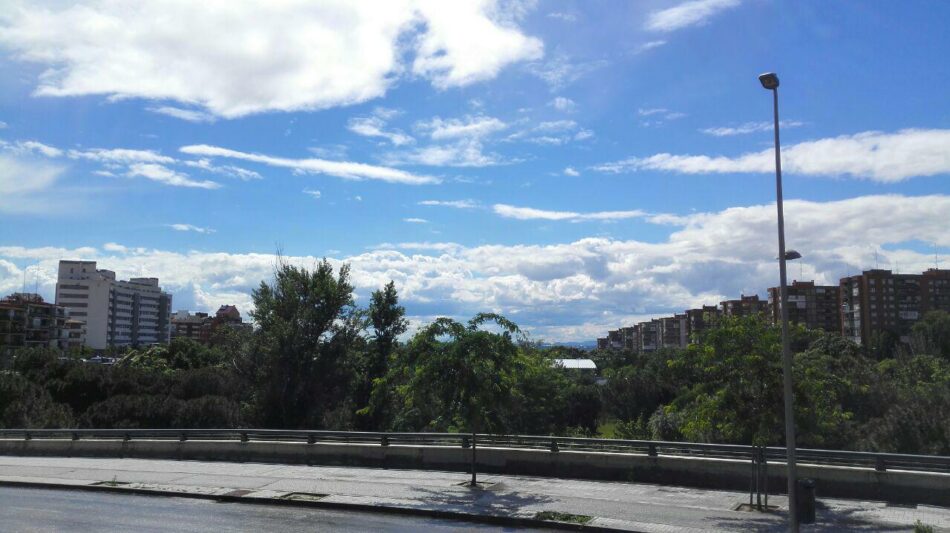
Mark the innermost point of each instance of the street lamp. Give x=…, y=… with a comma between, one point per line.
x=769, y=81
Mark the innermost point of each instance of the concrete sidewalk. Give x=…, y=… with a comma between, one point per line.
x=622, y=506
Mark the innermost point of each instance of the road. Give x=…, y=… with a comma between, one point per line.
x=33, y=510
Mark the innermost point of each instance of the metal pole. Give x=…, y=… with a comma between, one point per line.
x=786, y=351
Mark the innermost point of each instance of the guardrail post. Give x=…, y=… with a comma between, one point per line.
x=384, y=440
x=244, y=436
x=880, y=465
x=182, y=437
x=127, y=437
x=554, y=447
x=311, y=439
x=27, y=436
x=651, y=450
x=75, y=435
x=465, y=443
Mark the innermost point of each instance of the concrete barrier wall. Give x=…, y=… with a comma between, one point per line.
x=832, y=481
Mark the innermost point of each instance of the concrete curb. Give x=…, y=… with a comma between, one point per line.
x=501, y=520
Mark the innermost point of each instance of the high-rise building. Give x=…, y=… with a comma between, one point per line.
x=744, y=306
x=698, y=320
x=673, y=332
x=630, y=337
x=879, y=301
x=813, y=306
x=26, y=321
x=649, y=336
x=116, y=313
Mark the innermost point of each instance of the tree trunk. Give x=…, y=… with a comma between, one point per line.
x=473, y=457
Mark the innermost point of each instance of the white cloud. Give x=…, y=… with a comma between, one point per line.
x=313, y=192
x=225, y=170
x=457, y=204
x=693, y=13
x=189, y=227
x=3, y=125
x=120, y=156
x=566, y=291
x=562, y=104
x=340, y=169
x=570, y=171
x=566, y=17
x=189, y=115
x=163, y=174
x=242, y=57
x=414, y=220
x=114, y=247
x=467, y=128
x=749, y=127
x=464, y=153
x=530, y=213
x=374, y=127
x=649, y=45
x=25, y=147
x=26, y=184
x=561, y=71
x=651, y=111
x=876, y=156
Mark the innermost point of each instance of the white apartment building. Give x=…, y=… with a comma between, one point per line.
x=116, y=313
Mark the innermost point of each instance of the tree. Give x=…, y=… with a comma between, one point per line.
x=388, y=321
x=931, y=335
x=470, y=372
x=307, y=324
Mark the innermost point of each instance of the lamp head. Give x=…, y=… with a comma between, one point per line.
x=792, y=254
x=769, y=80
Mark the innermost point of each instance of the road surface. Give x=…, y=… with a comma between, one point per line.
x=32, y=510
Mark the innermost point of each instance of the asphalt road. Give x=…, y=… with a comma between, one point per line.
x=29, y=510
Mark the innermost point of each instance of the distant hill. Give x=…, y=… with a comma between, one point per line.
x=581, y=345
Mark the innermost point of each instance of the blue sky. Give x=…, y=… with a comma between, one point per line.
x=575, y=165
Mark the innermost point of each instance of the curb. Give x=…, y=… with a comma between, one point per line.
x=501, y=520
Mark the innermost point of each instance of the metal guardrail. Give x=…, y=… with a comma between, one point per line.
x=878, y=461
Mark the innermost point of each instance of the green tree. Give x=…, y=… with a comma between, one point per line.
x=470, y=372
x=307, y=326
x=931, y=335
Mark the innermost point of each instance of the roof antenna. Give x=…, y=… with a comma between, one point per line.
x=876, y=266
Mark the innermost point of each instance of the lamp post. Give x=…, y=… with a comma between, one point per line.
x=770, y=82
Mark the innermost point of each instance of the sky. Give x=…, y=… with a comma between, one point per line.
x=575, y=166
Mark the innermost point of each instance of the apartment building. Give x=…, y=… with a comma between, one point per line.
x=744, y=306
x=117, y=313
x=698, y=320
x=878, y=301
x=649, y=340
x=26, y=321
x=672, y=331
x=813, y=306
x=630, y=336
x=191, y=326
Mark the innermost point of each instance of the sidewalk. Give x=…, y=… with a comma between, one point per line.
x=622, y=506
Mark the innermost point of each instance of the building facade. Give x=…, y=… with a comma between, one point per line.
x=744, y=306
x=880, y=302
x=26, y=321
x=813, y=306
x=116, y=313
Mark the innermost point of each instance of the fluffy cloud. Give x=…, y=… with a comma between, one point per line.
x=567, y=291
x=749, y=127
x=457, y=204
x=26, y=183
x=571, y=171
x=415, y=220
x=872, y=155
x=189, y=115
x=188, y=227
x=374, y=126
x=530, y=213
x=468, y=152
x=693, y=13
x=467, y=127
x=243, y=57
x=163, y=174
x=563, y=104
x=340, y=169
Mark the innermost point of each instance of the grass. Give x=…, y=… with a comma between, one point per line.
x=563, y=517
x=920, y=527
